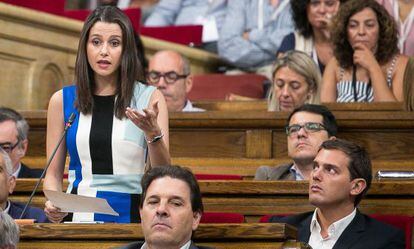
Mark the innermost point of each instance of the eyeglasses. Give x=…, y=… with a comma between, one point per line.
x=310, y=127
x=169, y=77
x=9, y=147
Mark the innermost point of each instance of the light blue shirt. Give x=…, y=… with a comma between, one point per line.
x=263, y=43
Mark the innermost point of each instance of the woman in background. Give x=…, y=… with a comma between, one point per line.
x=296, y=81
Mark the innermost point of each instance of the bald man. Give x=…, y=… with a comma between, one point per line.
x=170, y=72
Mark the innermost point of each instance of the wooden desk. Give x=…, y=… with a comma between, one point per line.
x=257, y=198
x=229, y=236
x=387, y=135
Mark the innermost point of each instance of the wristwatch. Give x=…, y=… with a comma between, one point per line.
x=155, y=139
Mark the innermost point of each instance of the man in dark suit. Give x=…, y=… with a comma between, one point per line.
x=7, y=184
x=307, y=127
x=170, y=209
x=340, y=178
x=13, y=139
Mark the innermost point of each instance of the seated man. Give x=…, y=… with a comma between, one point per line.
x=340, y=178
x=7, y=184
x=308, y=126
x=13, y=140
x=170, y=209
x=9, y=235
x=170, y=72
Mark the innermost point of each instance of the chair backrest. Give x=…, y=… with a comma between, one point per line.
x=183, y=34
x=218, y=177
x=402, y=222
x=50, y=6
x=213, y=217
x=217, y=86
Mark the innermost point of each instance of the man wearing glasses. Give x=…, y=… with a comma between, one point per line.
x=308, y=127
x=169, y=71
x=13, y=140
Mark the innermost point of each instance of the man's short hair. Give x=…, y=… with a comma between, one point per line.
x=9, y=235
x=359, y=163
x=175, y=172
x=328, y=121
x=7, y=114
x=7, y=161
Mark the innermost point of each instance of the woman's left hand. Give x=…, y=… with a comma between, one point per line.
x=146, y=121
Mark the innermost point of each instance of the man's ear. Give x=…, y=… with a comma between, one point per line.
x=358, y=185
x=189, y=83
x=11, y=184
x=196, y=220
x=332, y=138
x=23, y=148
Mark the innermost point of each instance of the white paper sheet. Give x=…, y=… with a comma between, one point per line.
x=78, y=203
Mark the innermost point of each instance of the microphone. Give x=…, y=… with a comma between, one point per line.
x=67, y=126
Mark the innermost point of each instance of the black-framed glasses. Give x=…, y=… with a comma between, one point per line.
x=170, y=77
x=309, y=127
x=9, y=147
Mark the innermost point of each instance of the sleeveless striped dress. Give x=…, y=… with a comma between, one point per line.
x=107, y=155
x=362, y=91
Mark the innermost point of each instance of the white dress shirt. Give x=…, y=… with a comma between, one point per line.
x=334, y=231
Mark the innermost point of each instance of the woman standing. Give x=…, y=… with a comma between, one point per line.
x=110, y=139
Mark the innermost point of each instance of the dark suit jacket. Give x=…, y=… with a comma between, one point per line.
x=363, y=232
x=281, y=172
x=26, y=172
x=137, y=245
x=16, y=210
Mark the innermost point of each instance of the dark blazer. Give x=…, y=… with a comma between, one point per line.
x=16, y=210
x=281, y=172
x=363, y=232
x=137, y=245
x=26, y=172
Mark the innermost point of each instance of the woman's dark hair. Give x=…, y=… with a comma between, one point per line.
x=388, y=34
x=300, y=16
x=141, y=56
x=129, y=68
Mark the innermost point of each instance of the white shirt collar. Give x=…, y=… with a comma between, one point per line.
x=16, y=173
x=297, y=173
x=334, y=231
x=185, y=246
x=190, y=108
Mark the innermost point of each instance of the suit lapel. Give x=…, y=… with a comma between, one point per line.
x=304, y=229
x=352, y=233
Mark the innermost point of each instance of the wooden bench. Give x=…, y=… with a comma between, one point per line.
x=257, y=198
x=387, y=135
x=226, y=236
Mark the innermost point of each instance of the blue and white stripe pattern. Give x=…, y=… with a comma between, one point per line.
x=107, y=155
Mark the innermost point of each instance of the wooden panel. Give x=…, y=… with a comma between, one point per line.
x=258, y=143
x=109, y=235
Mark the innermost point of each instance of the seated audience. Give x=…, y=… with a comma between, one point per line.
x=252, y=33
x=340, y=178
x=308, y=127
x=296, y=80
x=367, y=66
x=403, y=13
x=170, y=72
x=13, y=139
x=9, y=232
x=7, y=183
x=208, y=13
x=312, y=22
x=170, y=209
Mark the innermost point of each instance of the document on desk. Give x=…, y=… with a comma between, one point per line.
x=78, y=203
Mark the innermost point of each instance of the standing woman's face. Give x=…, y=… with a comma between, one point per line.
x=363, y=29
x=320, y=12
x=290, y=88
x=104, y=50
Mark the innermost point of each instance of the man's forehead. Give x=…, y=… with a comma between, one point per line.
x=169, y=187
x=166, y=61
x=332, y=157
x=303, y=117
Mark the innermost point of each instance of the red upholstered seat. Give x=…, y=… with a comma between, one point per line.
x=217, y=86
x=403, y=222
x=209, y=217
x=217, y=177
x=50, y=6
x=185, y=34
x=134, y=15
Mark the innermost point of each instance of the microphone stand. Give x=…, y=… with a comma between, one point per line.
x=67, y=126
